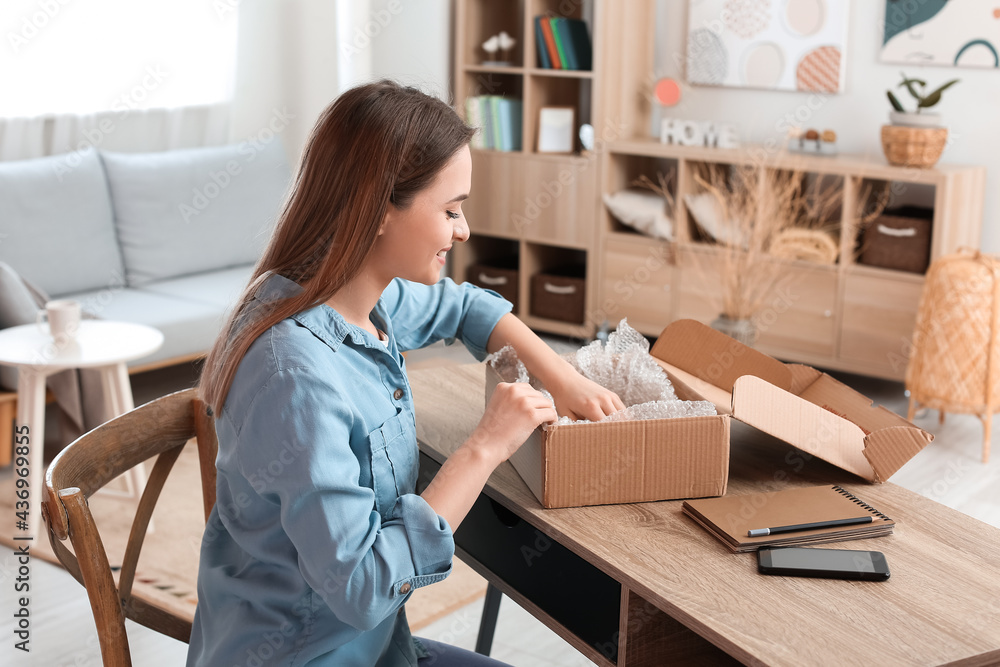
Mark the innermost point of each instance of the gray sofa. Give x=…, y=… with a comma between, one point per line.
x=165, y=239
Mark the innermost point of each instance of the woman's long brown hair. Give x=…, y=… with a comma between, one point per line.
x=376, y=145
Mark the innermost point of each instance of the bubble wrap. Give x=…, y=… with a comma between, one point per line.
x=624, y=366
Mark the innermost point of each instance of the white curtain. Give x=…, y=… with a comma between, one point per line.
x=115, y=74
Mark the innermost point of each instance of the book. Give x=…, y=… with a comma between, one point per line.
x=474, y=118
x=560, y=41
x=576, y=43
x=510, y=124
x=543, y=52
x=730, y=518
x=550, y=42
x=494, y=105
x=488, y=121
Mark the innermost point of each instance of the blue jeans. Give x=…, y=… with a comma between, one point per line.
x=445, y=655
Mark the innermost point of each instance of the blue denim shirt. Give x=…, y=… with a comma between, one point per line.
x=317, y=538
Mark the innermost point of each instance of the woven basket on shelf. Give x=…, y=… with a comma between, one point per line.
x=913, y=146
x=955, y=365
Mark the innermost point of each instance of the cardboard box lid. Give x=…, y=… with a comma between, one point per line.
x=796, y=403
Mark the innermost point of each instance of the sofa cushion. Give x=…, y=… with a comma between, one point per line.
x=193, y=210
x=17, y=304
x=219, y=289
x=188, y=327
x=56, y=226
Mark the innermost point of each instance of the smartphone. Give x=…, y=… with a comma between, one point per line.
x=828, y=563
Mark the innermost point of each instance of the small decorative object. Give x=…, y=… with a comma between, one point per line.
x=698, y=133
x=587, y=136
x=501, y=43
x=743, y=330
x=915, y=139
x=667, y=92
x=555, y=129
x=955, y=362
x=811, y=141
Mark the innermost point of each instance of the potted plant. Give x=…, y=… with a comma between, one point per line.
x=915, y=138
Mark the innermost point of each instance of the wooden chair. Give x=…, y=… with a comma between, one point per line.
x=157, y=429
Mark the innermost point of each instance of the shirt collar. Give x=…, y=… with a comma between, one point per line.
x=323, y=321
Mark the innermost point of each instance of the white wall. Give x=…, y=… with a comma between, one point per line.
x=415, y=46
x=970, y=108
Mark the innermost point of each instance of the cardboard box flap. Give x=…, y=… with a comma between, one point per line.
x=840, y=399
x=802, y=377
x=889, y=448
x=691, y=388
x=797, y=421
x=714, y=357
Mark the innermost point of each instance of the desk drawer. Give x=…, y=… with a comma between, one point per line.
x=570, y=590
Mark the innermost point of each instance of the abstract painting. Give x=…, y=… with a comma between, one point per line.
x=960, y=33
x=770, y=44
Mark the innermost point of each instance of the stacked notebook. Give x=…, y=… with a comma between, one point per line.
x=730, y=518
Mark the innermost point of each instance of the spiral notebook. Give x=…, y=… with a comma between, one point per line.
x=730, y=518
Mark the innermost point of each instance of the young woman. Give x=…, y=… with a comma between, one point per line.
x=318, y=538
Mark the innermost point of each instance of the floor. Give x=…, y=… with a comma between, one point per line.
x=948, y=471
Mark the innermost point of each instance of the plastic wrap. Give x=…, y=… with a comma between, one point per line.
x=625, y=367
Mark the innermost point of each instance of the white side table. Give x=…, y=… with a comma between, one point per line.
x=99, y=344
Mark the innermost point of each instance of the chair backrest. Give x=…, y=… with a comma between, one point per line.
x=157, y=429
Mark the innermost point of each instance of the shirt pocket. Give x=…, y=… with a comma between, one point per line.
x=394, y=461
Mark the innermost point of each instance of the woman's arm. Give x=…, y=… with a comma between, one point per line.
x=575, y=396
x=514, y=411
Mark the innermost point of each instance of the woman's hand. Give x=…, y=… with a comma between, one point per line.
x=514, y=411
x=577, y=397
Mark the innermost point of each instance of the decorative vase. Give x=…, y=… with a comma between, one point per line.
x=913, y=146
x=744, y=331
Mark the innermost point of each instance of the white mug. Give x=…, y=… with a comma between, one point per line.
x=63, y=316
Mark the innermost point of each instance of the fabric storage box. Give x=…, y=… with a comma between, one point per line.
x=899, y=239
x=559, y=295
x=500, y=278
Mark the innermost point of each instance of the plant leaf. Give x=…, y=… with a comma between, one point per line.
x=894, y=102
x=935, y=97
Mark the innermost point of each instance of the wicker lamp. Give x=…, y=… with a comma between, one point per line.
x=955, y=365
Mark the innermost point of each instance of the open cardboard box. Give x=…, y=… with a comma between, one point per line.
x=663, y=459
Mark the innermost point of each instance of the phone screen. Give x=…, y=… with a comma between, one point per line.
x=823, y=562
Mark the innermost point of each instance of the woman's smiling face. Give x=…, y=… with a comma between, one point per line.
x=413, y=242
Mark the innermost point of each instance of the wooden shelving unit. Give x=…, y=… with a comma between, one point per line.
x=845, y=316
x=539, y=209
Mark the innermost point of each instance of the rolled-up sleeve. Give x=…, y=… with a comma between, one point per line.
x=362, y=567
x=443, y=311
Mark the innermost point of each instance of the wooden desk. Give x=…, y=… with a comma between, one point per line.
x=641, y=584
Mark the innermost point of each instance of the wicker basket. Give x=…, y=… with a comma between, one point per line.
x=955, y=365
x=913, y=146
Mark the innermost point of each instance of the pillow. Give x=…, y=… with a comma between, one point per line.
x=641, y=209
x=17, y=303
x=56, y=225
x=199, y=209
x=706, y=210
